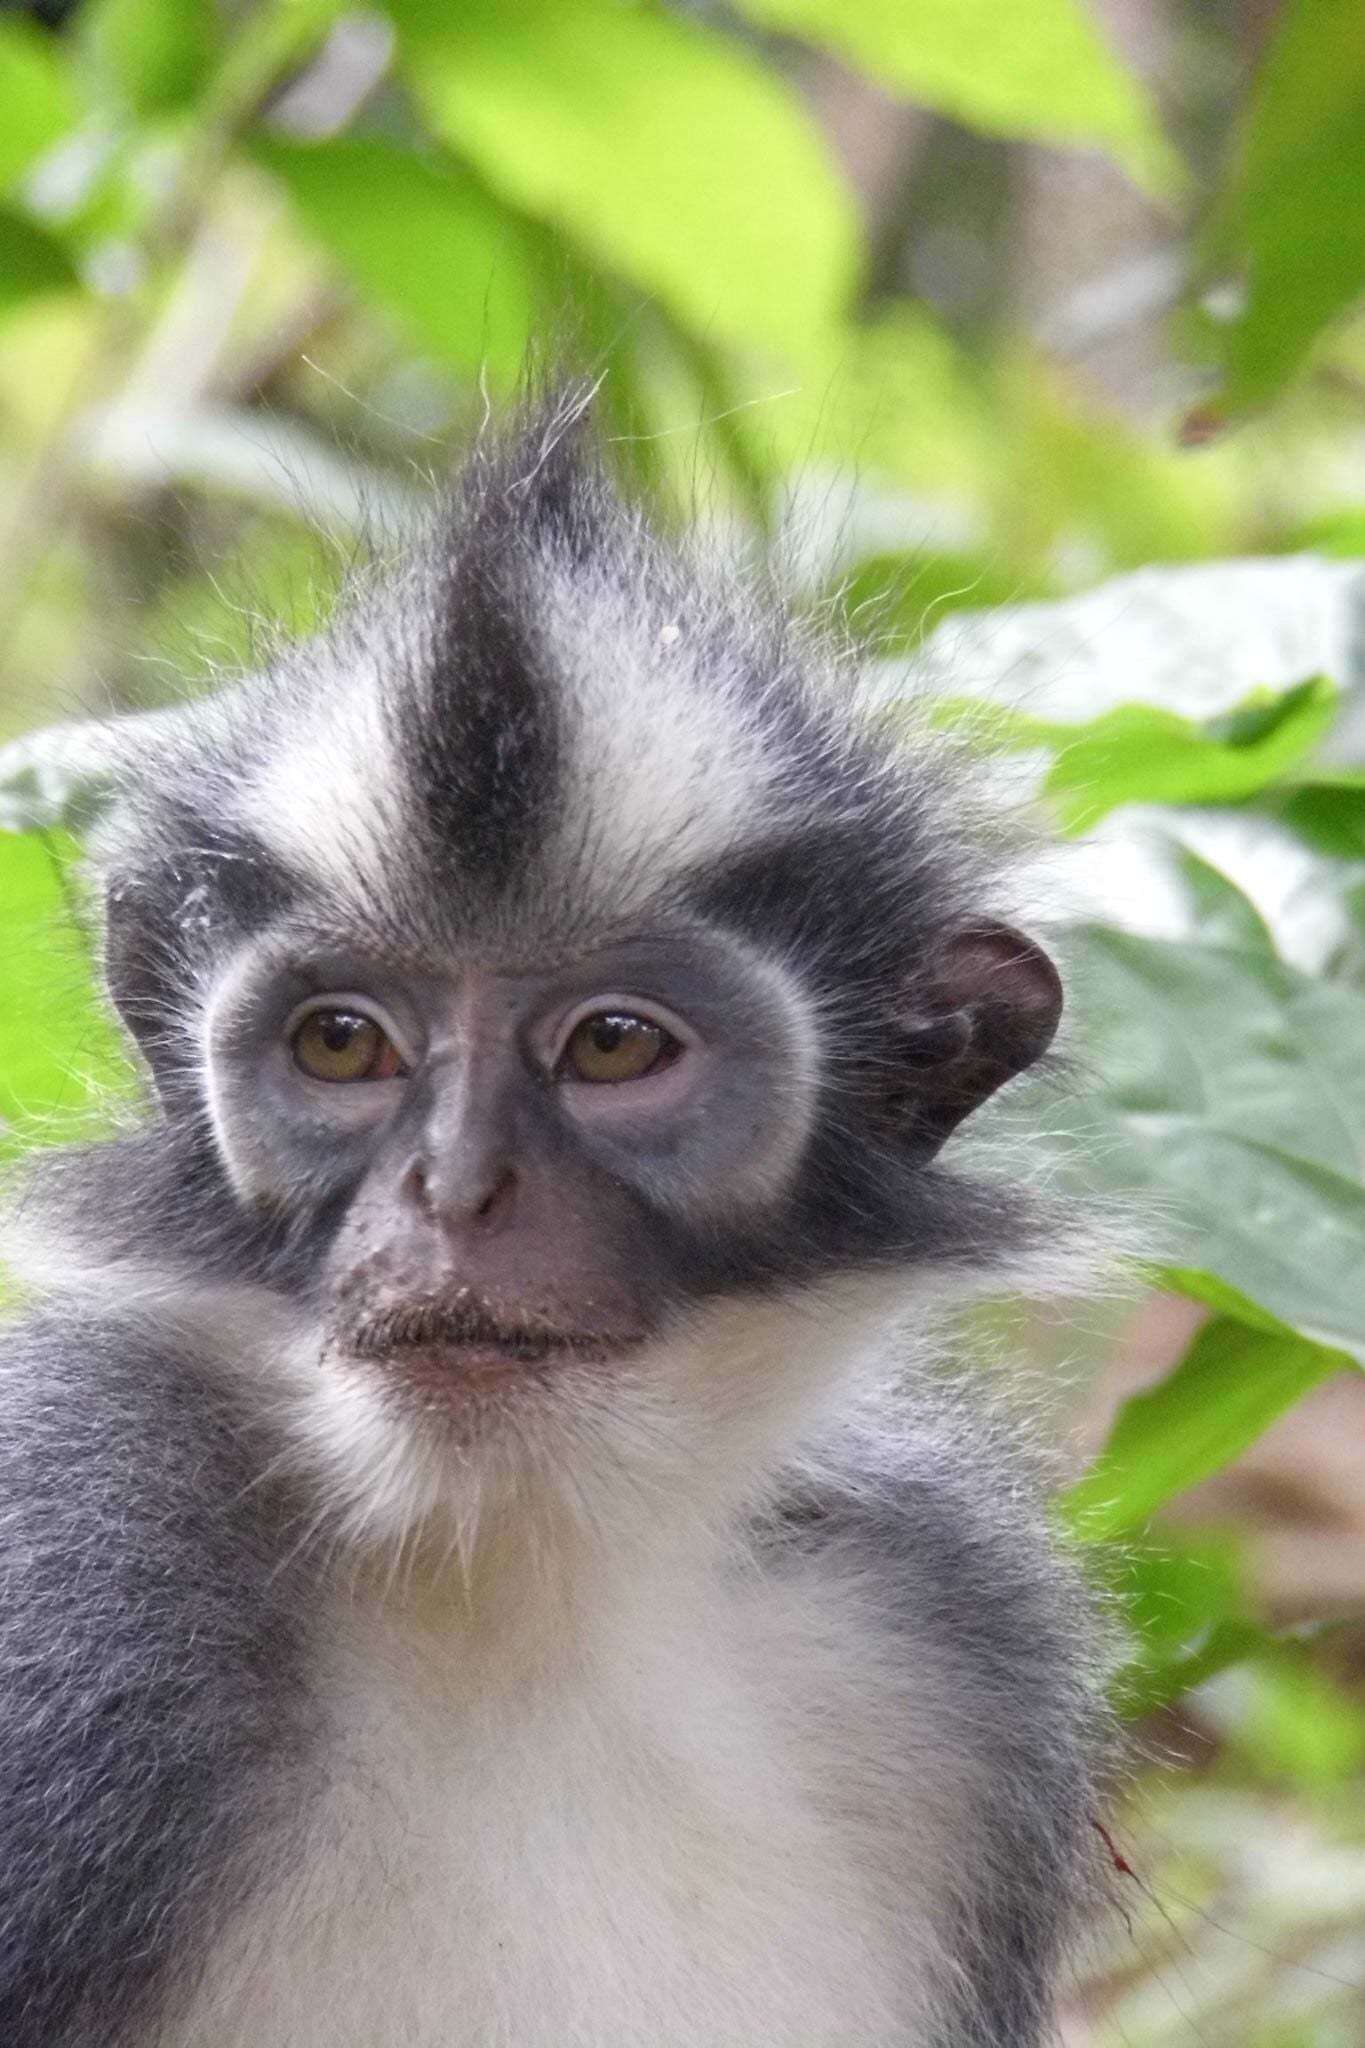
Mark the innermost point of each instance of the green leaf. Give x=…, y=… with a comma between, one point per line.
x=1175, y=1587
x=1339, y=533
x=1300, y=1722
x=150, y=56
x=1223, y=915
x=1230, y=1386
x=421, y=238
x=1329, y=816
x=1233, y=1096
x=1216, y=1294
x=1194, y=638
x=1138, y=753
x=1042, y=70
x=1184, y=1608
x=666, y=151
x=37, y=104
x=57, y=1046
x=1296, y=211
x=1146, y=1686
x=895, y=392
x=31, y=260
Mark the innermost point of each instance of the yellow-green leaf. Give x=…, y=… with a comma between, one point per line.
x=149, y=55
x=1140, y=753
x=1295, y=210
x=37, y=102
x=58, y=1048
x=454, y=274
x=1043, y=70
x=664, y=149
x=1230, y=1386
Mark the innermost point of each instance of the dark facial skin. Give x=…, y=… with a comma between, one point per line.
x=516, y=1152
x=531, y=1167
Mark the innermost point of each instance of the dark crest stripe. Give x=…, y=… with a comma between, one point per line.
x=484, y=738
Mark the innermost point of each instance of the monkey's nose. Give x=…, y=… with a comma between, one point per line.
x=458, y=1199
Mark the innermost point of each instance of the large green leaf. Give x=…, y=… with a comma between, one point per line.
x=1232, y=1094
x=1196, y=638
x=1138, y=753
x=1296, y=212
x=1231, y=1384
x=37, y=104
x=422, y=238
x=57, y=1046
x=667, y=152
x=1041, y=70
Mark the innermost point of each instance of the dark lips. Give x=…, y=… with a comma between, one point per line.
x=438, y=1339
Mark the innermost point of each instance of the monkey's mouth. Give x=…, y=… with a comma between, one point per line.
x=442, y=1341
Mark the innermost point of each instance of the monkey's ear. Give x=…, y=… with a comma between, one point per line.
x=69, y=775
x=985, y=1007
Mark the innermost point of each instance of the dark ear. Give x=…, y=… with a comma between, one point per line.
x=985, y=1006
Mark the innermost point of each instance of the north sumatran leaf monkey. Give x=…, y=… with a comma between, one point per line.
x=487, y=1559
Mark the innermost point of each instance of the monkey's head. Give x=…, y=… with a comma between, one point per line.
x=552, y=976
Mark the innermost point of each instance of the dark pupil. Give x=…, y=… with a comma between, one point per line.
x=338, y=1029
x=610, y=1032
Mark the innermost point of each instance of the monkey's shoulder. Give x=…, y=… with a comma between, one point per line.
x=992, y=1656
x=149, y=1672
x=945, y=1536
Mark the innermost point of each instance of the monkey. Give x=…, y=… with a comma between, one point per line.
x=492, y=1555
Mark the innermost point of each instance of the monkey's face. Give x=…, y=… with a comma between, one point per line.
x=572, y=1202
x=530, y=1170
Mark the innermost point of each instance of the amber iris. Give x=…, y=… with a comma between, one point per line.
x=344, y=1045
x=614, y=1046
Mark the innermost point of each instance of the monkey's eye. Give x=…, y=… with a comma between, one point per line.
x=340, y=1044
x=613, y=1045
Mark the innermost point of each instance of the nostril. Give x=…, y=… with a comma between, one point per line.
x=456, y=1199
x=498, y=1198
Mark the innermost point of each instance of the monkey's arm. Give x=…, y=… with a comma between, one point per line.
x=148, y=1687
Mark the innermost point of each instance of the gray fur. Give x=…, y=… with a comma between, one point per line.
x=151, y=1672
x=942, y=1514
x=176, y=1545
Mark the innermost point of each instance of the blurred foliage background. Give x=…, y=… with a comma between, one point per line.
x=968, y=308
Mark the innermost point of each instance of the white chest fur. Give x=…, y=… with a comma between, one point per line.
x=681, y=1837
